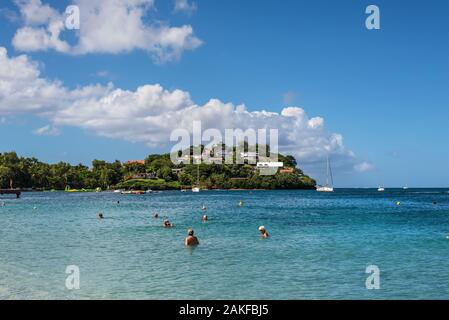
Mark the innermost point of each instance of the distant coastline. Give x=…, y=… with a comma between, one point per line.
x=156, y=172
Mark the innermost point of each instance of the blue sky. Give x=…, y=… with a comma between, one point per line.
x=385, y=91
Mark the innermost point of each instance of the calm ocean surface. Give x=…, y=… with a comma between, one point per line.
x=319, y=248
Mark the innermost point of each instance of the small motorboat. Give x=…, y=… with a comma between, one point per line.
x=133, y=192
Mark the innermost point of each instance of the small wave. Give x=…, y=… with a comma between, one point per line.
x=427, y=192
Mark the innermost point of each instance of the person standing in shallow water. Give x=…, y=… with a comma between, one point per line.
x=191, y=240
x=263, y=232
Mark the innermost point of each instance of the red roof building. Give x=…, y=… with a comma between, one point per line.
x=142, y=162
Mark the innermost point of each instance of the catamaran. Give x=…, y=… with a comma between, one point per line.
x=327, y=187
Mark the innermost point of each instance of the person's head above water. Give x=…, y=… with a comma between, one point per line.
x=100, y=215
x=205, y=218
x=263, y=231
x=190, y=232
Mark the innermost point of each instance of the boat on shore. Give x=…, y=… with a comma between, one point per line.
x=138, y=192
x=70, y=190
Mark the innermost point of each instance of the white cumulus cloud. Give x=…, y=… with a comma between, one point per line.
x=113, y=26
x=150, y=113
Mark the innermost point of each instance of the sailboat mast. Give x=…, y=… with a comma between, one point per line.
x=198, y=174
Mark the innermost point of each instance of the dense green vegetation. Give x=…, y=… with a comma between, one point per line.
x=158, y=173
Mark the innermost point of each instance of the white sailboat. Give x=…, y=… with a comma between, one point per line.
x=327, y=187
x=381, y=189
x=197, y=188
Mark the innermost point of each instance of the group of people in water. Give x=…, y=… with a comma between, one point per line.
x=191, y=239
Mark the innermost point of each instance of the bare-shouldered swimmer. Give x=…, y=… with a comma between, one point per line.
x=191, y=240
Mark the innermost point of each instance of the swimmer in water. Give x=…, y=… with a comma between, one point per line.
x=167, y=224
x=156, y=215
x=205, y=218
x=100, y=216
x=191, y=240
x=263, y=232
x=204, y=208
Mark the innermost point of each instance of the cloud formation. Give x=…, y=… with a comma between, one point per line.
x=47, y=130
x=150, y=113
x=113, y=26
x=363, y=167
x=185, y=6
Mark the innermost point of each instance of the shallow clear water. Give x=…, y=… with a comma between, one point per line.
x=319, y=248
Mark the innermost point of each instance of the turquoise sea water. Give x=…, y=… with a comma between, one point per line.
x=319, y=248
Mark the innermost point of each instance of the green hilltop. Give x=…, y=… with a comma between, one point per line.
x=156, y=172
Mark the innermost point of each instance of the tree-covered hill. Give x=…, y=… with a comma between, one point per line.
x=157, y=172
